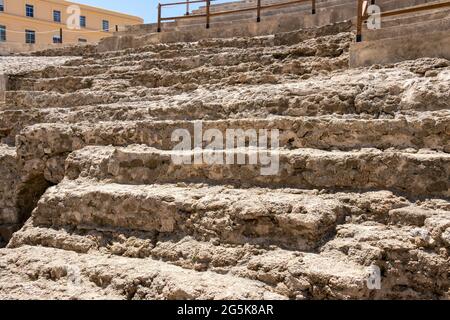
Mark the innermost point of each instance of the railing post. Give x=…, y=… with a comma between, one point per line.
x=359, y=21
x=187, y=7
x=60, y=35
x=313, y=7
x=159, y=17
x=208, y=3
x=258, y=11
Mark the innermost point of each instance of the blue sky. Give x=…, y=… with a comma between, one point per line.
x=145, y=9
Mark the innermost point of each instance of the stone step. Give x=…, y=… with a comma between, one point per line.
x=293, y=274
x=417, y=85
x=297, y=275
x=289, y=220
x=220, y=45
x=191, y=64
x=58, y=274
x=303, y=54
x=44, y=147
x=417, y=256
x=381, y=207
x=266, y=70
x=61, y=85
x=414, y=174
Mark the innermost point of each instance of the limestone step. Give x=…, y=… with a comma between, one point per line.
x=44, y=147
x=47, y=273
x=197, y=68
x=365, y=239
x=414, y=174
x=416, y=85
x=266, y=70
x=306, y=53
x=415, y=255
x=219, y=45
x=287, y=220
x=297, y=275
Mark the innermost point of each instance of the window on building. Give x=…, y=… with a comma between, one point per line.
x=30, y=36
x=2, y=33
x=82, y=40
x=2, y=5
x=57, y=39
x=29, y=10
x=56, y=16
x=105, y=25
x=83, y=21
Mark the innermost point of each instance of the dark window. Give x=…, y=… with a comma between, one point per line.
x=83, y=21
x=2, y=33
x=29, y=10
x=2, y=6
x=57, y=39
x=56, y=16
x=30, y=36
x=82, y=40
x=105, y=25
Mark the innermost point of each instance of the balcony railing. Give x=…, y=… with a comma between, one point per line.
x=208, y=14
x=361, y=5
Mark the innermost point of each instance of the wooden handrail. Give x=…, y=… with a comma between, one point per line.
x=418, y=8
x=363, y=15
x=181, y=2
x=269, y=6
x=210, y=14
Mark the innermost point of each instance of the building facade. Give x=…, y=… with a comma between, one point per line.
x=27, y=25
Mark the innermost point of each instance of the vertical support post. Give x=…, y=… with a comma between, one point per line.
x=187, y=7
x=313, y=7
x=60, y=35
x=159, y=18
x=359, y=21
x=258, y=11
x=208, y=4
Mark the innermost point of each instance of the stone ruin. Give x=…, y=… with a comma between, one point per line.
x=91, y=205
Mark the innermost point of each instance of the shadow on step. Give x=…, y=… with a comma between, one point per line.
x=28, y=195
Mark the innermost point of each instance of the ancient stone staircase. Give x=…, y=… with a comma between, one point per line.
x=104, y=212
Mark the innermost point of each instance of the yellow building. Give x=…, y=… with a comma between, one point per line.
x=27, y=25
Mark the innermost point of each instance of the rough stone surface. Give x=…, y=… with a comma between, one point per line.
x=20, y=64
x=9, y=215
x=91, y=205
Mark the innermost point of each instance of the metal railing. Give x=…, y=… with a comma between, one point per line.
x=364, y=16
x=208, y=14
